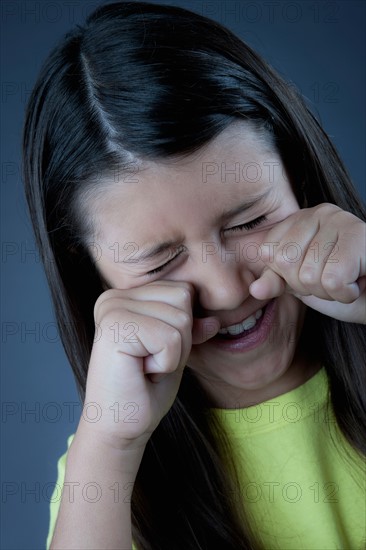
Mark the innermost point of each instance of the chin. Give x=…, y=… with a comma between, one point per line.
x=244, y=384
x=259, y=376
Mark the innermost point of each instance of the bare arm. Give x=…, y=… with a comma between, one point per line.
x=143, y=373
x=95, y=509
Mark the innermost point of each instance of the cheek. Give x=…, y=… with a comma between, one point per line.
x=291, y=313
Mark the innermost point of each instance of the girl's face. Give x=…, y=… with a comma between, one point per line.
x=213, y=211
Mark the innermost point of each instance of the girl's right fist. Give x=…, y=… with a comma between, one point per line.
x=142, y=342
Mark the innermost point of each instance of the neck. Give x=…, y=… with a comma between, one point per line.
x=299, y=372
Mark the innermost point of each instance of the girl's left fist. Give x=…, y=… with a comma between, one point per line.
x=319, y=255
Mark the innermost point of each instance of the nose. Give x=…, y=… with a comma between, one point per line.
x=221, y=282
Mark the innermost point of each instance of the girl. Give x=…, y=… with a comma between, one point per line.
x=205, y=252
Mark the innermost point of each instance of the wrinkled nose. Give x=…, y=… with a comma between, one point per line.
x=222, y=280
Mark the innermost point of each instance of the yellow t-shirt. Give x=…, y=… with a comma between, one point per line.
x=299, y=490
x=296, y=486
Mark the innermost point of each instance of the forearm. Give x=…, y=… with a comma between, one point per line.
x=95, y=509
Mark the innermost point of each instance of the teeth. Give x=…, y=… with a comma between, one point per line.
x=236, y=329
x=248, y=323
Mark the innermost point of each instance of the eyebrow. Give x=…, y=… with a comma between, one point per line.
x=166, y=245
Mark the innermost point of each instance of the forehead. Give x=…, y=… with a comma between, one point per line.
x=239, y=163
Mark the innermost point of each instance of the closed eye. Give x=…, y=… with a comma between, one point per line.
x=248, y=225
x=243, y=226
x=163, y=266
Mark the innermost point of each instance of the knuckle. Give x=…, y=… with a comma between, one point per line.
x=327, y=208
x=102, y=299
x=184, y=319
x=185, y=295
x=112, y=315
x=98, y=304
x=172, y=364
x=188, y=286
x=281, y=261
x=173, y=337
x=307, y=275
x=331, y=281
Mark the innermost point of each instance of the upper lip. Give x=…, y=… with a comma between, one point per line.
x=226, y=323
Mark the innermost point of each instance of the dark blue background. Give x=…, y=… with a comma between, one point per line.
x=319, y=46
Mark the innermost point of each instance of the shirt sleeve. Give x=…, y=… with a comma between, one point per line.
x=57, y=492
x=56, y=495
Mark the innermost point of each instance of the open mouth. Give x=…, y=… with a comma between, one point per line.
x=245, y=327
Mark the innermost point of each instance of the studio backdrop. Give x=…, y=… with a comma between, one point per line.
x=317, y=45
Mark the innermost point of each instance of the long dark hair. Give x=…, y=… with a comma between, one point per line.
x=147, y=81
